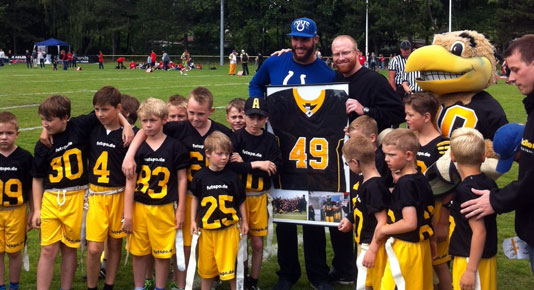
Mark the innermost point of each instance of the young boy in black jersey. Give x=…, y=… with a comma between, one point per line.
x=473, y=242
x=161, y=181
x=177, y=108
x=59, y=184
x=409, y=225
x=369, y=201
x=191, y=134
x=421, y=110
x=235, y=114
x=256, y=156
x=106, y=188
x=15, y=186
x=129, y=106
x=217, y=206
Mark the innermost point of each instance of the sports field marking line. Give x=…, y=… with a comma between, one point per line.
x=49, y=93
x=30, y=128
x=20, y=106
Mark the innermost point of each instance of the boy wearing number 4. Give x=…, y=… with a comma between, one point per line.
x=256, y=156
x=15, y=188
x=160, y=181
x=59, y=185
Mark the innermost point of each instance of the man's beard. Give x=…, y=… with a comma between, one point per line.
x=347, y=66
x=306, y=57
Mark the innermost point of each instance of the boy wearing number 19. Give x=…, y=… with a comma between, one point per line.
x=160, y=181
x=15, y=187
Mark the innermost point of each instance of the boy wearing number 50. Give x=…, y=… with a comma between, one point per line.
x=217, y=206
x=159, y=183
x=59, y=184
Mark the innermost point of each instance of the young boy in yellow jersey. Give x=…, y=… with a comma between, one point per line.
x=177, y=108
x=235, y=114
x=218, y=205
x=369, y=201
x=256, y=156
x=192, y=135
x=15, y=189
x=409, y=219
x=474, y=241
x=106, y=188
x=421, y=110
x=59, y=184
x=161, y=180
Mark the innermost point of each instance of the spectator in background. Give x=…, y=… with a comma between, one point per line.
x=28, y=59
x=165, y=58
x=64, y=59
x=9, y=56
x=233, y=63
x=74, y=58
x=152, y=59
x=69, y=59
x=34, y=57
x=41, y=56
x=133, y=65
x=396, y=71
x=382, y=62
x=244, y=61
x=372, y=61
x=100, y=60
x=120, y=63
x=2, y=56
x=361, y=58
x=259, y=60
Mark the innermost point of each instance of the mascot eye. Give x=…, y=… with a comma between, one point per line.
x=457, y=48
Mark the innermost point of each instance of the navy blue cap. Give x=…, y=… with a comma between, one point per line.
x=505, y=143
x=303, y=27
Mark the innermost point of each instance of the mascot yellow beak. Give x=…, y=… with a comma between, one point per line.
x=443, y=72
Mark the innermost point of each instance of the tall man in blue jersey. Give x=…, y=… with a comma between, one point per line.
x=300, y=66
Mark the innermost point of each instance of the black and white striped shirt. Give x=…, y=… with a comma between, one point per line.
x=398, y=64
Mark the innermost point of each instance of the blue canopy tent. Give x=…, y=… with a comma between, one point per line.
x=52, y=42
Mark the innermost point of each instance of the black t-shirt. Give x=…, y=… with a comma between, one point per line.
x=255, y=148
x=64, y=165
x=193, y=142
x=219, y=193
x=157, y=177
x=106, y=153
x=460, y=244
x=367, y=199
x=15, y=178
x=413, y=190
x=372, y=90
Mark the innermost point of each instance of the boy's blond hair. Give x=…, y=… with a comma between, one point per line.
x=468, y=146
x=129, y=106
x=218, y=140
x=403, y=139
x=55, y=106
x=153, y=107
x=365, y=124
x=237, y=103
x=359, y=148
x=202, y=95
x=177, y=101
x=10, y=118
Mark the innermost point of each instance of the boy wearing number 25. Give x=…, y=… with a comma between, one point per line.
x=161, y=180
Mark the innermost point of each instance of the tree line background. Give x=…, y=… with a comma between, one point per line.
x=137, y=26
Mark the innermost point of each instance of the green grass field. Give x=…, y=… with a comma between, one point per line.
x=21, y=90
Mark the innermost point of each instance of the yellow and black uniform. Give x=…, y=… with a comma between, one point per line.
x=106, y=185
x=311, y=136
x=257, y=182
x=367, y=199
x=427, y=155
x=411, y=250
x=63, y=169
x=219, y=194
x=155, y=193
x=194, y=144
x=483, y=113
x=328, y=208
x=462, y=234
x=15, y=188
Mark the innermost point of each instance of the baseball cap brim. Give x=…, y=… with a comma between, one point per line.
x=256, y=111
x=301, y=34
x=503, y=165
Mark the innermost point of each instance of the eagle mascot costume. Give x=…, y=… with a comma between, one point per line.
x=458, y=67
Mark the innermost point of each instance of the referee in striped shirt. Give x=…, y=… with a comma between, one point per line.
x=402, y=83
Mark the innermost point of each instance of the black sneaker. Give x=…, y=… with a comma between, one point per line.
x=334, y=276
x=321, y=285
x=283, y=284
